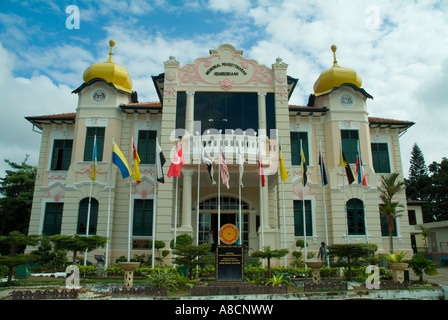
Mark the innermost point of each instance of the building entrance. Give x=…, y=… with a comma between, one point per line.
x=229, y=213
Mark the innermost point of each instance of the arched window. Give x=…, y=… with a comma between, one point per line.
x=82, y=216
x=355, y=217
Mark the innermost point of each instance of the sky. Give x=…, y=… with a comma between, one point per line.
x=398, y=48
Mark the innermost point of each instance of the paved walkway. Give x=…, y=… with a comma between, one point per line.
x=441, y=278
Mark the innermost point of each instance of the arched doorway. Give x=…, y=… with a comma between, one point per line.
x=229, y=213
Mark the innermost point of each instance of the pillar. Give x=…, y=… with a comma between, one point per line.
x=186, y=226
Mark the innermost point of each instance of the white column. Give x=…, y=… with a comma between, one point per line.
x=189, y=112
x=261, y=110
x=186, y=202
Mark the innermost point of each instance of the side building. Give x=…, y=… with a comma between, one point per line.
x=222, y=106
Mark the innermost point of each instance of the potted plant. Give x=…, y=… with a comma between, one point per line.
x=397, y=266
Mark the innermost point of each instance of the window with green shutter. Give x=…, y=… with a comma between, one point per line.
x=83, y=213
x=62, y=154
x=90, y=138
x=380, y=156
x=53, y=218
x=385, y=227
x=143, y=211
x=296, y=139
x=355, y=217
x=298, y=218
x=350, y=140
x=147, y=146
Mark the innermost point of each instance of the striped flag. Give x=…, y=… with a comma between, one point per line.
x=160, y=162
x=304, y=168
x=348, y=170
x=360, y=171
x=120, y=161
x=322, y=169
x=224, y=170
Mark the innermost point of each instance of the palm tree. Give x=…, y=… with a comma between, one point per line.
x=390, y=208
x=425, y=234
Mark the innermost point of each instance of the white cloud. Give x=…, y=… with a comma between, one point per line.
x=22, y=97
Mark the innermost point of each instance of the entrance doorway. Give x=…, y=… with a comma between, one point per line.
x=229, y=213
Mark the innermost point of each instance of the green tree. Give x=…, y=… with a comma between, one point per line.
x=390, y=187
x=350, y=252
x=15, y=241
x=420, y=265
x=439, y=189
x=77, y=243
x=190, y=256
x=16, y=190
x=268, y=253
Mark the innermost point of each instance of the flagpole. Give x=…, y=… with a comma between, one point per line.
x=154, y=218
x=239, y=197
x=343, y=190
x=108, y=212
x=260, y=160
x=175, y=219
x=199, y=181
x=130, y=211
x=219, y=193
x=283, y=209
x=325, y=203
x=303, y=203
x=90, y=197
x=362, y=188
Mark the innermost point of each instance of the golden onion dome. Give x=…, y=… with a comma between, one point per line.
x=335, y=77
x=110, y=72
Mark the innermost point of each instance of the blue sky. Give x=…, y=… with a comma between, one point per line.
x=399, y=48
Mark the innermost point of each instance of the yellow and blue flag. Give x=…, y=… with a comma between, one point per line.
x=120, y=161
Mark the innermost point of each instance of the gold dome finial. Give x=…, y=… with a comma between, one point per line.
x=334, y=48
x=112, y=44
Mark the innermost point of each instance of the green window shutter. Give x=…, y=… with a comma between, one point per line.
x=355, y=217
x=298, y=218
x=147, y=146
x=53, y=218
x=82, y=216
x=61, y=156
x=350, y=140
x=142, y=222
x=380, y=156
x=90, y=137
x=296, y=138
x=385, y=227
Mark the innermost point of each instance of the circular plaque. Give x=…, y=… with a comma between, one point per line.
x=346, y=99
x=99, y=96
x=229, y=233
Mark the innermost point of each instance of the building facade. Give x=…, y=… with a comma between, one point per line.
x=225, y=104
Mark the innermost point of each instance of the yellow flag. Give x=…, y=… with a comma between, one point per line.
x=283, y=174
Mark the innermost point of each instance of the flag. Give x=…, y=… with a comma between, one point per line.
x=160, y=162
x=283, y=174
x=95, y=157
x=136, y=174
x=241, y=166
x=322, y=170
x=304, y=168
x=260, y=168
x=119, y=160
x=343, y=162
x=176, y=163
x=360, y=171
x=224, y=170
x=209, y=164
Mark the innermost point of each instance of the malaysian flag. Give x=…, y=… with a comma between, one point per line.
x=224, y=170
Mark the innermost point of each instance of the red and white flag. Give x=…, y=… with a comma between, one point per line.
x=224, y=170
x=176, y=163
